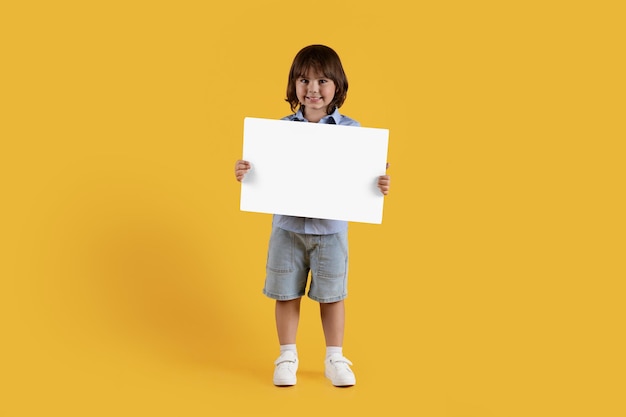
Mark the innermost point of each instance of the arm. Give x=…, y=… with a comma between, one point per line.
x=241, y=168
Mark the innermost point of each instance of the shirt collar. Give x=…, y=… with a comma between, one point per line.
x=333, y=118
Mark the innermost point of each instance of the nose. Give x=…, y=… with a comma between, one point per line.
x=313, y=86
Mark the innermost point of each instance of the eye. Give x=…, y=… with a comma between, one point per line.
x=323, y=81
x=304, y=80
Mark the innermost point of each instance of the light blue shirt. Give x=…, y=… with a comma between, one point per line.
x=304, y=224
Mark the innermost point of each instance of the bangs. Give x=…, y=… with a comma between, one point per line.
x=302, y=68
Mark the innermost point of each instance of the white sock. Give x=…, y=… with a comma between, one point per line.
x=332, y=350
x=291, y=347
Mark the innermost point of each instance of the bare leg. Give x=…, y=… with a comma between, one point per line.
x=333, y=321
x=287, y=318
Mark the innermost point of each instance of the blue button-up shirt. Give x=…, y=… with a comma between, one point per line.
x=304, y=224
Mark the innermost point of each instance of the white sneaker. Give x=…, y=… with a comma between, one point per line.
x=338, y=371
x=286, y=368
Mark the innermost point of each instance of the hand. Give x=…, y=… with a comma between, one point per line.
x=384, y=183
x=241, y=168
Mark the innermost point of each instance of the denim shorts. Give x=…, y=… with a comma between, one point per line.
x=292, y=255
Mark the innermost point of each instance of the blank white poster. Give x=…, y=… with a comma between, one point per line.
x=314, y=170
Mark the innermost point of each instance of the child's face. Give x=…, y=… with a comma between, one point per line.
x=315, y=92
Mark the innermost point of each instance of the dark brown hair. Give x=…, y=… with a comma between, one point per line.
x=324, y=60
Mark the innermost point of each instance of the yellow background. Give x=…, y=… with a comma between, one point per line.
x=131, y=282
